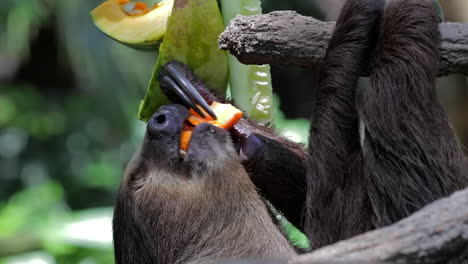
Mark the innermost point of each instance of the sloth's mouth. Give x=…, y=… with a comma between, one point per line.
x=239, y=134
x=164, y=130
x=206, y=144
x=193, y=144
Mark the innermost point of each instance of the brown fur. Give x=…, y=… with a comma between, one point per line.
x=199, y=211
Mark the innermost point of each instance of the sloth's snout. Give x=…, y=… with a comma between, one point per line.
x=168, y=120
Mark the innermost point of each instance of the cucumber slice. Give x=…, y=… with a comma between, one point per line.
x=250, y=85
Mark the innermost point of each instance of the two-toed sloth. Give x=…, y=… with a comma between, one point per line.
x=376, y=154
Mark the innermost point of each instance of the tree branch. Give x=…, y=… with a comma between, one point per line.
x=287, y=38
x=438, y=233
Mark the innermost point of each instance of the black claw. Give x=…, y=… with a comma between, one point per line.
x=181, y=95
x=186, y=91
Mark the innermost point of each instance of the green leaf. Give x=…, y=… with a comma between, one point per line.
x=439, y=10
x=192, y=38
x=22, y=23
x=29, y=209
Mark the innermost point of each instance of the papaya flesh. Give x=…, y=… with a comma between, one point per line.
x=133, y=23
x=227, y=116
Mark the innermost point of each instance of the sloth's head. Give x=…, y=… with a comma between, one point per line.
x=210, y=147
x=162, y=173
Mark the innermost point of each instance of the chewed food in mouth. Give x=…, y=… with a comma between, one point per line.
x=226, y=117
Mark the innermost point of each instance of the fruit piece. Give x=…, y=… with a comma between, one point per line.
x=193, y=113
x=250, y=84
x=185, y=139
x=133, y=23
x=195, y=120
x=227, y=114
x=187, y=127
x=191, y=38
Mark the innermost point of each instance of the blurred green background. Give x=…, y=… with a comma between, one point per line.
x=68, y=103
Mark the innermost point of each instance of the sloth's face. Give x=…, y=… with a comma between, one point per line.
x=160, y=175
x=209, y=148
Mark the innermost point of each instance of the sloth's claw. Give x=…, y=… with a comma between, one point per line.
x=185, y=100
x=175, y=83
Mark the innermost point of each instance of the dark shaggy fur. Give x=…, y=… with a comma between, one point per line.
x=376, y=155
x=379, y=153
x=337, y=198
x=405, y=154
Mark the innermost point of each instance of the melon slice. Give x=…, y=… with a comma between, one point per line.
x=133, y=23
x=227, y=115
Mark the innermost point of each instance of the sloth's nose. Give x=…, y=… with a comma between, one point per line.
x=168, y=120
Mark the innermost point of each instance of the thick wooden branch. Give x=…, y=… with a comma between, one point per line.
x=437, y=233
x=287, y=38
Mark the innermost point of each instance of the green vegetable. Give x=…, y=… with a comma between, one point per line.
x=192, y=38
x=250, y=84
x=294, y=235
x=439, y=10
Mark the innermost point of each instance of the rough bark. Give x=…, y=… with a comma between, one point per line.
x=437, y=233
x=287, y=38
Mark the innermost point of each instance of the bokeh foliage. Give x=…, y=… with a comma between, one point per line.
x=68, y=103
